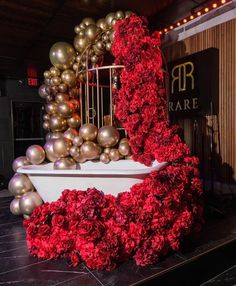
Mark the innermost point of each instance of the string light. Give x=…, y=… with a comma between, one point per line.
x=214, y=5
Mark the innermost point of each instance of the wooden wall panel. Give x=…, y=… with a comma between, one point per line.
x=222, y=37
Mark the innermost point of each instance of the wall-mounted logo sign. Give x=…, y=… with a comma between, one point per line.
x=194, y=84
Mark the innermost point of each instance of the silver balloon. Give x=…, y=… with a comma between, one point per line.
x=20, y=184
x=19, y=162
x=35, y=154
x=15, y=208
x=28, y=202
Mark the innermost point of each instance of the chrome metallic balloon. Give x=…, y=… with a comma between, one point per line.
x=88, y=21
x=74, y=150
x=88, y=131
x=114, y=155
x=19, y=162
x=89, y=150
x=64, y=164
x=61, y=97
x=80, y=159
x=102, y=24
x=15, y=207
x=69, y=77
x=80, y=43
x=29, y=201
x=124, y=149
x=61, y=147
x=51, y=108
x=20, y=184
x=91, y=32
x=57, y=123
x=56, y=80
x=104, y=158
x=43, y=91
x=65, y=109
x=78, y=140
x=35, y=154
x=74, y=121
x=48, y=147
x=62, y=87
x=108, y=136
x=47, y=74
x=62, y=55
x=119, y=15
x=70, y=133
x=109, y=19
x=54, y=72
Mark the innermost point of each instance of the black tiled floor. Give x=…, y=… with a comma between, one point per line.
x=227, y=278
x=18, y=268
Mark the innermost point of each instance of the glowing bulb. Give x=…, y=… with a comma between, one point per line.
x=160, y=32
x=171, y=27
x=223, y=1
x=214, y=5
x=206, y=10
x=185, y=20
x=178, y=24
x=191, y=17
x=199, y=13
x=165, y=30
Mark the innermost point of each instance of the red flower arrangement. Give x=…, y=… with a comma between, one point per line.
x=154, y=216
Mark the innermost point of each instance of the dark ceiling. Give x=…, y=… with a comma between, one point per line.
x=29, y=28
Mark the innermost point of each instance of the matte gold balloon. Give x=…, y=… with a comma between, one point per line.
x=91, y=32
x=88, y=21
x=89, y=150
x=88, y=131
x=109, y=19
x=104, y=158
x=48, y=147
x=74, y=150
x=119, y=15
x=62, y=87
x=64, y=164
x=56, y=80
x=19, y=162
x=42, y=91
x=35, y=154
x=71, y=133
x=65, y=109
x=47, y=74
x=28, y=202
x=108, y=136
x=57, y=123
x=15, y=207
x=78, y=140
x=80, y=43
x=61, y=147
x=61, y=97
x=102, y=24
x=62, y=55
x=69, y=77
x=124, y=149
x=51, y=107
x=114, y=155
x=74, y=121
x=54, y=71
x=20, y=184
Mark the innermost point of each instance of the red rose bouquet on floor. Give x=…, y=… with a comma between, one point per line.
x=147, y=221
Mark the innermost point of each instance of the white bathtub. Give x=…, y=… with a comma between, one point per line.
x=111, y=178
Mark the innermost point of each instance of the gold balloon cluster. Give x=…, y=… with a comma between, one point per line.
x=20, y=186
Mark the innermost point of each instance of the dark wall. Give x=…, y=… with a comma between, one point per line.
x=11, y=90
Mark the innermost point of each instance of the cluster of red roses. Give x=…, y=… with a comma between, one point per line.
x=154, y=216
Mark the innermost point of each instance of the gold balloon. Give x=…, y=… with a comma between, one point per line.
x=124, y=140
x=74, y=92
x=74, y=150
x=46, y=125
x=124, y=149
x=107, y=150
x=49, y=98
x=47, y=74
x=71, y=133
x=61, y=147
x=89, y=150
x=108, y=46
x=88, y=21
x=62, y=87
x=77, y=29
x=104, y=158
x=51, y=108
x=28, y=202
x=80, y=159
x=69, y=77
x=56, y=135
x=54, y=71
x=20, y=184
x=119, y=15
x=75, y=66
x=19, y=162
x=88, y=131
x=80, y=43
x=48, y=89
x=62, y=55
x=48, y=147
x=56, y=80
x=65, y=109
x=74, y=121
x=101, y=24
x=61, y=97
x=47, y=81
x=35, y=154
x=57, y=123
x=109, y=19
x=15, y=208
x=108, y=136
x=127, y=13
x=78, y=140
x=114, y=155
x=64, y=164
x=43, y=91
x=54, y=89
x=75, y=102
x=46, y=117
x=112, y=35
x=91, y=32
